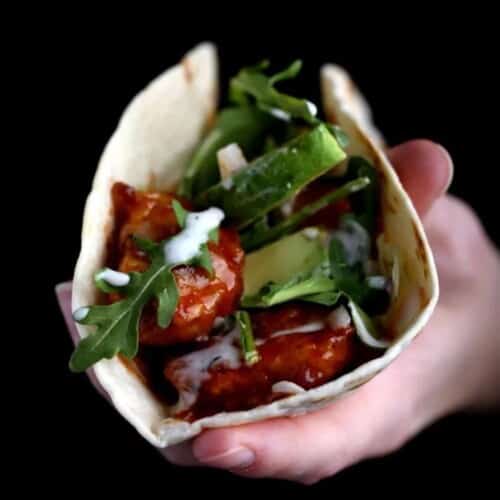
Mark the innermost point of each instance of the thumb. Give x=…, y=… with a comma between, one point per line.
x=425, y=170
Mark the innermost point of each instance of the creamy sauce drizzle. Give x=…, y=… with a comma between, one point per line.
x=287, y=387
x=312, y=108
x=80, y=314
x=186, y=245
x=113, y=278
x=280, y=114
x=192, y=369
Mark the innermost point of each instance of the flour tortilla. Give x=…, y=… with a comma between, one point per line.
x=150, y=148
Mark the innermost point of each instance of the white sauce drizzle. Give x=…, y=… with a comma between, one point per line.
x=280, y=114
x=186, y=245
x=114, y=278
x=312, y=108
x=307, y=328
x=80, y=313
x=378, y=282
x=339, y=318
x=311, y=233
x=355, y=240
x=287, y=208
x=287, y=387
x=192, y=369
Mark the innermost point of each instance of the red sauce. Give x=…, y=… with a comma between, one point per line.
x=201, y=297
x=307, y=359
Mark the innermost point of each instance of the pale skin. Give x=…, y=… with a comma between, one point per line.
x=453, y=365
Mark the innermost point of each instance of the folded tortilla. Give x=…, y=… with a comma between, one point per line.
x=150, y=148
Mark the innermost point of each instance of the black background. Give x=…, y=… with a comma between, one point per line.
x=429, y=81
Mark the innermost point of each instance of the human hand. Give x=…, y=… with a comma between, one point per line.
x=453, y=364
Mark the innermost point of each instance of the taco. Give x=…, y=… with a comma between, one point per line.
x=244, y=263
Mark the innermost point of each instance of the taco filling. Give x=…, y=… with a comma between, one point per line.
x=260, y=277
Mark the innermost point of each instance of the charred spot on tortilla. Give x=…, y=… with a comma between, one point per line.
x=188, y=71
x=278, y=306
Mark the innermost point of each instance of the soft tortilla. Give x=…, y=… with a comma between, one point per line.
x=149, y=150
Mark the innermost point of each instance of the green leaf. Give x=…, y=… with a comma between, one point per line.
x=254, y=83
x=274, y=177
x=213, y=235
x=117, y=325
x=180, y=213
x=150, y=248
x=246, y=338
x=257, y=236
x=339, y=134
x=287, y=74
x=329, y=298
x=168, y=298
x=299, y=287
x=348, y=249
x=366, y=204
x=246, y=126
x=204, y=260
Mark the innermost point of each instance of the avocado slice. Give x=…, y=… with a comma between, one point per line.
x=282, y=260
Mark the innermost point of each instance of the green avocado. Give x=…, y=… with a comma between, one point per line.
x=282, y=260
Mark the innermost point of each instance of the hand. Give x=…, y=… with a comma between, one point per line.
x=453, y=364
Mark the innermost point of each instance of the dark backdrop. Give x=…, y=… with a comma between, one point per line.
x=424, y=82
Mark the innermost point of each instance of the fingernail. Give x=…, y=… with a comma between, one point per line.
x=235, y=458
x=450, y=163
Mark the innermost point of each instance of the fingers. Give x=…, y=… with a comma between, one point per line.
x=425, y=170
x=180, y=454
x=309, y=447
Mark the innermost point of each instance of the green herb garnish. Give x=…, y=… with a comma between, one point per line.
x=246, y=338
x=117, y=324
x=259, y=235
x=275, y=177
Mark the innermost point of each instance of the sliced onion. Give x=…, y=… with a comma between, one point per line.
x=365, y=328
x=230, y=159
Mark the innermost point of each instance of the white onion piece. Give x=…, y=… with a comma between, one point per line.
x=230, y=159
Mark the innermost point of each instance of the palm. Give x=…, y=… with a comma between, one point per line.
x=441, y=371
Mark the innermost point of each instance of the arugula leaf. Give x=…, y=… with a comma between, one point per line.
x=117, y=325
x=246, y=338
x=168, y=299
x=329, y=298
x=299, y=287
x=180, y=213
x=246, y=126
x=203, y=260
x=349, y=249
x=259, y=235
x=253, y=82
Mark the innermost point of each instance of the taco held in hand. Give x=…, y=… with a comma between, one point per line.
x=246, y=263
